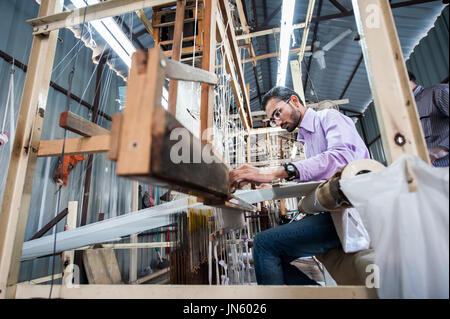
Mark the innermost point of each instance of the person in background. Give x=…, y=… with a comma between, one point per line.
x=432, y=106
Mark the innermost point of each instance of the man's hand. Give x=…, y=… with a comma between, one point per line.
x=249, y=174
x=437, y=153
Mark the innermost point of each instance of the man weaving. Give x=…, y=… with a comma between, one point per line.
x=331, y=141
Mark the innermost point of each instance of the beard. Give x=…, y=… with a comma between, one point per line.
x=294, y=119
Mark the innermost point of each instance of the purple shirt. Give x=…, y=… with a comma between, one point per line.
x=331, y=141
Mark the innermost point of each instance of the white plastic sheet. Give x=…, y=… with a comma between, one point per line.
x=409, y=230
x=106, y=230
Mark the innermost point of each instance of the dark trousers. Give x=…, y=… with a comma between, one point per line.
x=275, y=248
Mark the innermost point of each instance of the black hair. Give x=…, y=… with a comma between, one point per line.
x=412, y=77
x=280, y=93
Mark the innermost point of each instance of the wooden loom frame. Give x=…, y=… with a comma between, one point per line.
x=400, y=130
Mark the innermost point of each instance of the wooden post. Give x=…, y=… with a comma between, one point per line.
x=133, y=238
x=176, y=53
x=208, y=64
x=17, y=195
x=399, y=123
x=68, y=256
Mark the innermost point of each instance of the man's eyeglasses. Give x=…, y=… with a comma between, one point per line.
x=276, y=115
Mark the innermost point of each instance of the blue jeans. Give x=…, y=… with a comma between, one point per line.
x=275, y=248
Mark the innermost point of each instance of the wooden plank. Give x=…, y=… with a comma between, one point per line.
x=184, y=176
x=41, y=279
x=17, y=196
x=185, y=51
x=68, y=256
x=101, y=266
x=272, y=55
x=73, y=146
x=80, y=125
x=144, y=93
x=267, y=32
x=132, y=277
x=208, y=64
x=245, y=29
x=114, y=144
x=176, y=53
x=185, y=39
x=50, y=224
x=172, y=23
x=225, y=11
x=231, y=70
x=396, y=110
x=159, y=244
x=296, y=73
x=195, y=292
x=145, y=21
x=152, y=160
x=152, y=276
x=89, y=13
x=180, y=71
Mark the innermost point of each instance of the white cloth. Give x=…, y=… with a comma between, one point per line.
x=350, y=229
x=409, y=230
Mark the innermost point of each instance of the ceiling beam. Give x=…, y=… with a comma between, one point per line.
x=251, y=51
x=271, y=16
x=267, y=45
x=349, y=13
x=352, y=76
x=267, y=32
x=316, y=29
x=339, y=6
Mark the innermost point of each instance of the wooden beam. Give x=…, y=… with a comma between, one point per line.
x=132, y=276
x=195, y=291
x=225, y=10
x=179, y=71
x=251, y=50
x=151, y=276
x=145, y=151
x=231, y=70
x=342, y=15
x=80, y=125
x=272, y=55
x=347, y=85
x=145, y=21
x=50, y=224
x=21, y=169
x=68, y=256
x=176, y=53
x=267, y=32
x=395, y=105
x=339, y=6
x=73, y=146
x=172, y=23
x=89, y=13
x=208, y=64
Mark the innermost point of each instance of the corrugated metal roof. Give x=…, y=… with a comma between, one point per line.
x=411, y=22
x=429, y=61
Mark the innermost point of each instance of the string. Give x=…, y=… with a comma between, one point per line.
x=71, y=75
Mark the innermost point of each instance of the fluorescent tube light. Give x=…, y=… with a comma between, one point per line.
x=287, y=15
x=116, y=39
x=111, y=33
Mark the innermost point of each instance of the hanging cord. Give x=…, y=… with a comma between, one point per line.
x=195, y=33
x=311, y=82
x=10, y=100
x=70, y=79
